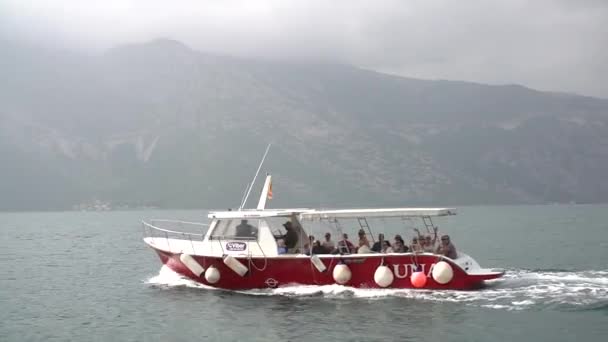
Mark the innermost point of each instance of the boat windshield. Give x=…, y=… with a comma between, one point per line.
x=236, y=229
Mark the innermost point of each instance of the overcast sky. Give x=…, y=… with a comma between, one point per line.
x=559, y=45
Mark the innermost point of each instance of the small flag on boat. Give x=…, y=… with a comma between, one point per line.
x=270, y=190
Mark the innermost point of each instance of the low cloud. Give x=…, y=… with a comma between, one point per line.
x=550, y=45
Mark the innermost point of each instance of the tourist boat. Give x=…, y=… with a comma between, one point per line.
x=222, y=254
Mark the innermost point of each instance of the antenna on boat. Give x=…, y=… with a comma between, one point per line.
x=250, y=185
x=244, y=194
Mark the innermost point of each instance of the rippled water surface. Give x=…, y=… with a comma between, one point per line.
x=88, y=276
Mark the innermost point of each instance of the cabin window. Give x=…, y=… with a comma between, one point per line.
x=236, y=229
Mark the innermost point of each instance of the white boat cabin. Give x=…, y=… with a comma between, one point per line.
x=250, y=232
x=257, y=232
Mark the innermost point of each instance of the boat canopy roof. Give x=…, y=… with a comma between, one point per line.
x=255, y=213
x=313, y=214
x=380, y=212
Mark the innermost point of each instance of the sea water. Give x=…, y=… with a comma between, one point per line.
x=88, y=276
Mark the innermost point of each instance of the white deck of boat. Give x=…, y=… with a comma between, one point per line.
x=175, y=245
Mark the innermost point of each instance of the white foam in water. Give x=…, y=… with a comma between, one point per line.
x=518, y=290
x=167, y=277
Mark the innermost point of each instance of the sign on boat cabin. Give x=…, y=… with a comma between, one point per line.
x=236, y=246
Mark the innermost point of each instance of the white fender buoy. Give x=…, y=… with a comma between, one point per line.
x=212, y=275
x=235, y=265
x=364, y=250
x=342, y=274
x=191, y=264
x=319, y=265
x=442, y=272
x=383, y=276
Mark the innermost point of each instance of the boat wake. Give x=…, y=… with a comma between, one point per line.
x=518, y=290
x=167, y=278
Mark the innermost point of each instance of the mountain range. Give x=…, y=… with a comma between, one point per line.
x=161, y=124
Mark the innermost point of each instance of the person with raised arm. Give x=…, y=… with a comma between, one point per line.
x=328, y=244
x=427, y=243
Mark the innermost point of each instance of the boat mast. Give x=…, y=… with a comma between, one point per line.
x=266, y=191
x=254, y=177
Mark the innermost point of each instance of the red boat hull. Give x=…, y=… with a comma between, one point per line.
x=281, y=271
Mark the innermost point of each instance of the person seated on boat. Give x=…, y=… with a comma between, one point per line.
x=328, y=244
x=317, y=248
x=422, y=242
x=377, y=247
x=447, y=248
x=246, y=230
x=282, y=249
x=290, y=237
x=399, y=245
x=429, y=244
x=363, y=241
x=415, y=246
x=386, y=247
x=309, y=245
x=345, y=246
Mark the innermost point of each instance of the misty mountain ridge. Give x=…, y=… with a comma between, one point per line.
x=162, y=123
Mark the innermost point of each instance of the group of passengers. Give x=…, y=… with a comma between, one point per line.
x=420, y=243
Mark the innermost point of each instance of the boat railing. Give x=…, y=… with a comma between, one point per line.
x=173, y=229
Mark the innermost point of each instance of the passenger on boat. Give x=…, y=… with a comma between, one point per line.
x=306, y=250
x=318, y=249
x=427, y=244
x=446, y=247
x=246, y=230
x=386, y=247
x=309, y=245
x=399, y=245
x=363, y=241
x=415, y=246
x=377, y=247
x=345, y=246
x=422, y=243
x=328, y=244
x=290, y=237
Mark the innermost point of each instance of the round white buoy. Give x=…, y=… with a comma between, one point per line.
x=442, y=272
x=341, y=274
x=212, y=275
x=383, y=276
x=364, y=250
